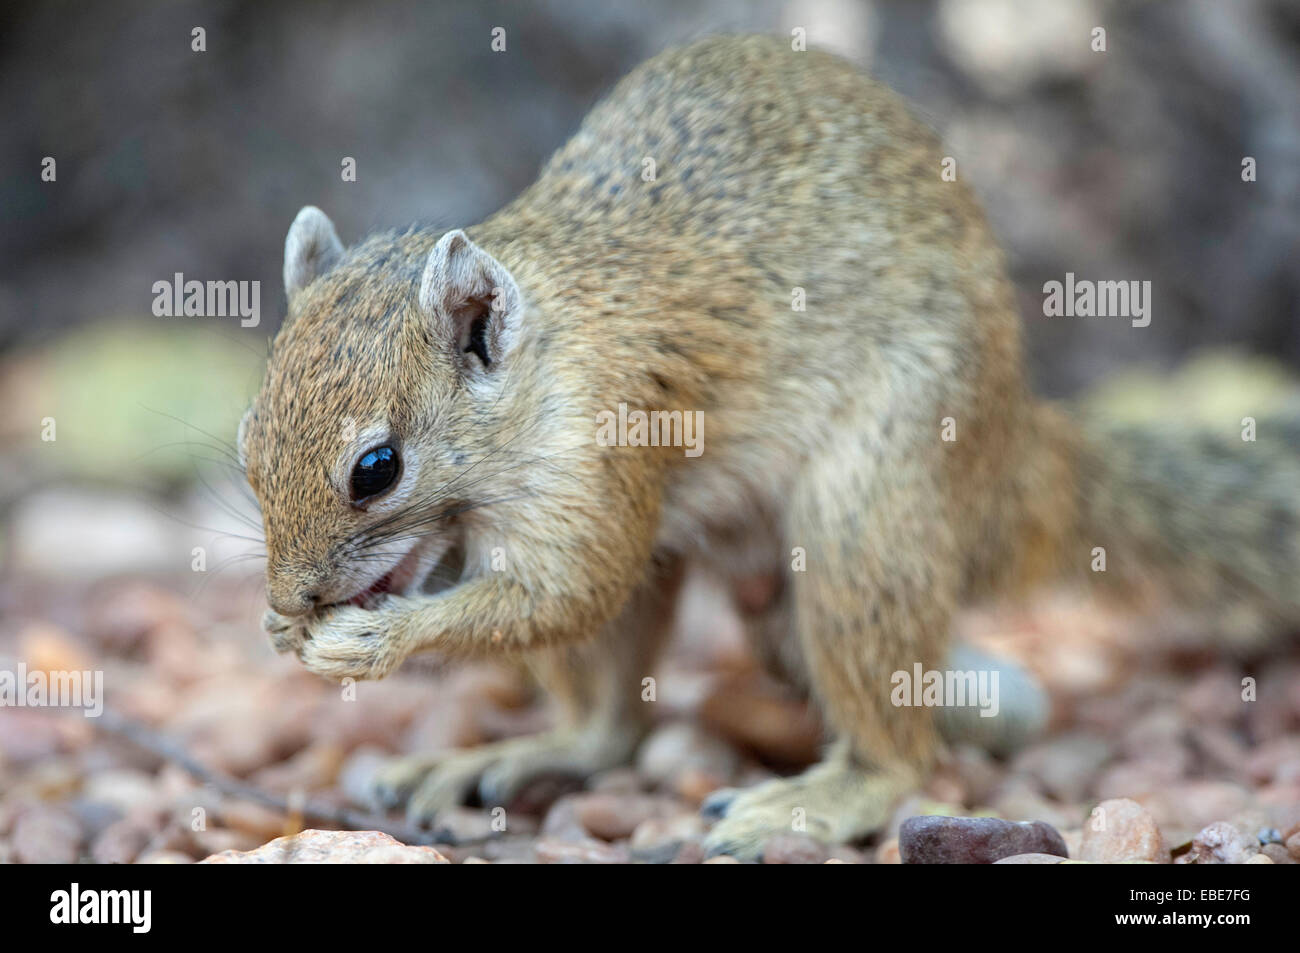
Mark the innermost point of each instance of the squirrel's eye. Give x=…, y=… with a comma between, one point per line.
x=374, y=473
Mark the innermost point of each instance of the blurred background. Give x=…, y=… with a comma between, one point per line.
x=1123, y=165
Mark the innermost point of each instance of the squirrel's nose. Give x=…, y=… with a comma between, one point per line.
x=292, y=602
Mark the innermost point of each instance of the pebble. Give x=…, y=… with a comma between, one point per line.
x=660, y=839
x=691, y=852
x=684, y=749
x=1121, y=830
x=332, y=847
x=216, y=840
x=616, y=781
x=95, y=817
x=1277, y=853
x=251, y=818
x=561, y=822
x=1030, y=859
x=915, y=805
x=465, y=825
x=973, y=840
x=794, y=849
x=507, y=849
x=1018, y=800
x=315, y=768
x=1221, y=843
x=615, y=816
x=165, y=857
x=48, y=648
x=550, y=851
x=29, y=735
x=123, y=789
x=757, y=718
x=46, y=835
x=888, y=852
x=125, y=615
x=1190, y=805
x=121, y=842
x=1066, y=766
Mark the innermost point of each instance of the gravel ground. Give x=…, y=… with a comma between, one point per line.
x=1152, y=753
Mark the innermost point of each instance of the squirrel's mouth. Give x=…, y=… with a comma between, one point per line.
x=406, y=576
x=378, y=589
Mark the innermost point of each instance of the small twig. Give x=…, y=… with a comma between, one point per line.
x=345, y=818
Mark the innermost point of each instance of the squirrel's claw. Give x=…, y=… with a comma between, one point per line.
x=285, y=634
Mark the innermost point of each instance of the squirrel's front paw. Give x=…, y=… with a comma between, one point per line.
x=349, y=642
x=286, y=634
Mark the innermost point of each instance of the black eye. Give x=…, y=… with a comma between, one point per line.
x=374, y=473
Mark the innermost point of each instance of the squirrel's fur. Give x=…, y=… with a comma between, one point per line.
x=773, y=170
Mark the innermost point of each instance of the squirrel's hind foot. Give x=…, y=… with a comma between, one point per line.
x=834, y=802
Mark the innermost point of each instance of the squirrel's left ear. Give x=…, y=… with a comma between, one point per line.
x=311, y=248
x=471, y=297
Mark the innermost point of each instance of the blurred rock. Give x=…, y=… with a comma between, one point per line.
x=659, y=840
x=1018, y=800
x=1278, y=854
x=550, y=851
x=1030, y=859
x=794, y=849
x=765, y=721
x=252, y=819
x=467, y=825
x=46, y=835
x=124, y=790
x=561, y=821
x=888, y=852
x=1221, y=843
x=357, y=774
x=49, y=648
x=216, y=840
x=682, y=750
x=1190, y=805
x=1121, y=830
x=85, y=534
x=332, y=847
x=973, y=840
x=1066, y=766
x=121, y=843
x=165, y=857
x=122, y=616
x=1008, y=46
x=916, y=805
x=29, y=734
x=613, y=817
x=314, y=768
x=616, y=781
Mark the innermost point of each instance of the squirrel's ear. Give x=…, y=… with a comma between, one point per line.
x=311, y=248
x=471, y=297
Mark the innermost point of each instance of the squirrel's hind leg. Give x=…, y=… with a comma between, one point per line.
x=875, y=597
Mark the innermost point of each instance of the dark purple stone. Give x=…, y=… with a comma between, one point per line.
x=932, y=839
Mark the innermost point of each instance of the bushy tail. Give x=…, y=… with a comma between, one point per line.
x=1207, y=522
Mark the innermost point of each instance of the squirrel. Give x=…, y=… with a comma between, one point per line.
x=440, y=392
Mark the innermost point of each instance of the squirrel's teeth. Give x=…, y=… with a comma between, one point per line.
x=363, y=599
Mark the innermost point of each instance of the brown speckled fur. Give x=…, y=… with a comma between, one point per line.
x=775, y=169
